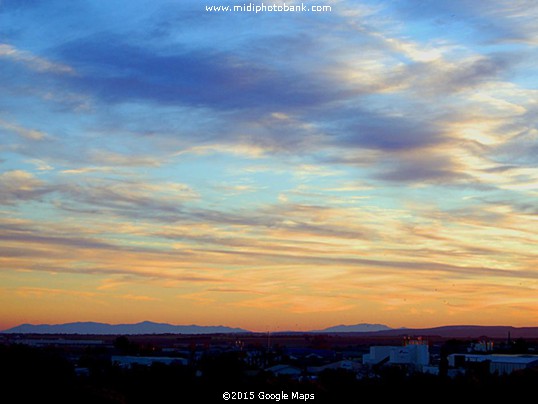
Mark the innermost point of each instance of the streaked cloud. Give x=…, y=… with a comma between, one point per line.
x=19, y=185
x=32, y=61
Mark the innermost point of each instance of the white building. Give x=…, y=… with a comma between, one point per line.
x=414, y=354
x=417, y=355
x=377, y=355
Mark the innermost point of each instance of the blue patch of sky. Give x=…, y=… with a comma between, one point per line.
x=218, y=179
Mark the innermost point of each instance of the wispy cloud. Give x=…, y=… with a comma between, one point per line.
x=32, y=61
x=19, y=185
x=30, y=134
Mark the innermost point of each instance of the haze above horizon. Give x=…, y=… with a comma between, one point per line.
x=274, y=171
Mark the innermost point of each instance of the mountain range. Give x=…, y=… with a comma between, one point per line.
x=465, y=331
x=363, y=327
x=148, y=327
x=378, y=330
x=145, y=327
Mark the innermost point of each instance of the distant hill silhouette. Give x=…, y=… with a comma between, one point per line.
x=363, y=327
x=378, y=330
x=464, y=331
x=146, y=327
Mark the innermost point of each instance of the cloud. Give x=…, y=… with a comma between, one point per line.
x=32, y=61
x=128, y=198
x=124, y=197
x=521, y=149
x=391, y=266
x=103, y=158
x=496, y=21
x=19, y=185
x=391, y=134
x=42, y=292
x=115, y=71
x=423, y=168
x=26, y=133
x=520, y=206
x=129, y=273
x=66, y=241
x=41, y=165
x=58, y=248
x=141, y=298
x=444, y=77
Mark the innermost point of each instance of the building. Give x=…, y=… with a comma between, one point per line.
x=285, y=370
x=500, y=364
x=345, y=364
x=481, y=346
x=414, y=353
x=378, y=355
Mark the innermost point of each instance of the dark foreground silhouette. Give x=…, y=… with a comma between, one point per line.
x=50, y=375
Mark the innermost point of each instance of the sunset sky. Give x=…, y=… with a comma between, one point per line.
x=274, y=171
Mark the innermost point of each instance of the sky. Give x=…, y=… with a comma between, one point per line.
x=375, y=163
